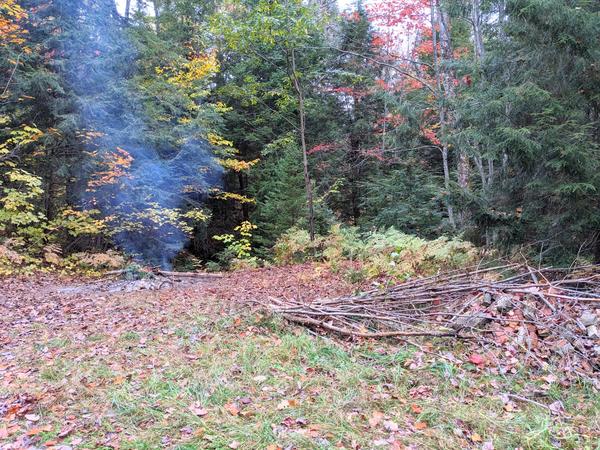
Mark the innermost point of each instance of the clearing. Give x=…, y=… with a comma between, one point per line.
x=195, y=365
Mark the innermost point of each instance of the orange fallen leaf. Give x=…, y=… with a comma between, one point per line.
x=290, y=403
x=38, y=430
x=477, y=359
x=375, y=419
x=416, y=408
x=476, y=438
x=232, y=409
x=420, y=425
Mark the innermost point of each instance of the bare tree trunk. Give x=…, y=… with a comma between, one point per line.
x=127, y=9
x=156, y=16
x=479, y=50
x=307, y=180
x=442, y=114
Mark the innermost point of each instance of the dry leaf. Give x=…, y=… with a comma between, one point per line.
x=291, y=403
x=476, y=438
x=232, y=409
x=375, y=419
x=416, y=408
x=390, y=426
x=197, y=409
x=35, y=431
x=420, y=425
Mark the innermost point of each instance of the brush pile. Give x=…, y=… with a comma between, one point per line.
x=543, y=312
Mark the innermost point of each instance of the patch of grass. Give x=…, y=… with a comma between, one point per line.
x=55, y=372
x=130, y=336
x=258, y=382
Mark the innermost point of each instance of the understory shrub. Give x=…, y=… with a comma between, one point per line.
x=387, y=252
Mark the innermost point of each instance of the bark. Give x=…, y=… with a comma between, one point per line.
x=478, y=48
x=442, y=113
x=243, y=183
x=127, y=9
x=156, y=16
x=302, y=130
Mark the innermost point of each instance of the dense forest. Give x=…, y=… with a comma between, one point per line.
x=186, y=131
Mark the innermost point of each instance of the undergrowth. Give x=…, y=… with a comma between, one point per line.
x=388, y=252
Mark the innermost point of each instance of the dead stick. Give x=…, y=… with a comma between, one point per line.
x=346, y=332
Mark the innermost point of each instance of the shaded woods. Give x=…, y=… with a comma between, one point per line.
x=188, y=132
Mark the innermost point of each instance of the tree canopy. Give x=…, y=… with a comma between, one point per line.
x=207, y=130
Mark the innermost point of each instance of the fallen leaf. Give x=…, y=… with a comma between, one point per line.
x=66, y=430
x=291, y=403
x=375, y=419
x=476, y=437
x=420, y=425
x=390, y=426
x=477, y=359
x=232, y=409
x=38, y=430
x=197, y=409
x=234, y=444
x=32, y=417
x=416, y=408
x=557, y=408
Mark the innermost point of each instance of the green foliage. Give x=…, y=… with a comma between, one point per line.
x=523, y=117
x=389, y=252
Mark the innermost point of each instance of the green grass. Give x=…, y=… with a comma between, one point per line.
x=291, y=388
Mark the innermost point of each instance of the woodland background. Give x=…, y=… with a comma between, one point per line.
x=208, y=132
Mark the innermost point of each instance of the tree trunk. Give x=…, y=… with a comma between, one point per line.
x=127, y=9
x=478, y=48
x=156, y=16
x=442, y=114
x=307, y=180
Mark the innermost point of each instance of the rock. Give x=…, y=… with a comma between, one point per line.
x=592, y=332
x=475, y=321
x=588, y=318
x=487, y=299
x=543, y=332
x=504, y=303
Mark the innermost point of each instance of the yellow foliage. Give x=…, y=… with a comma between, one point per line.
x=11, y=31
x=117, y=163
x=237, y=165
x=236, y=197
x=218, y=141
x=197, y=68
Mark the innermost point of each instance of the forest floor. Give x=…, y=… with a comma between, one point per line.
x=196, y=365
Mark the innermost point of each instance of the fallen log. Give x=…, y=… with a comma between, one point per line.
x=166, y=273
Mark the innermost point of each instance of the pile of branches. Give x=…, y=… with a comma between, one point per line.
x=509, y=302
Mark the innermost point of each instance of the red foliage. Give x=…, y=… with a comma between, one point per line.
x=323, y=147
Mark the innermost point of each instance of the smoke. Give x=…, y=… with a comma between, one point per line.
x=170, y=168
